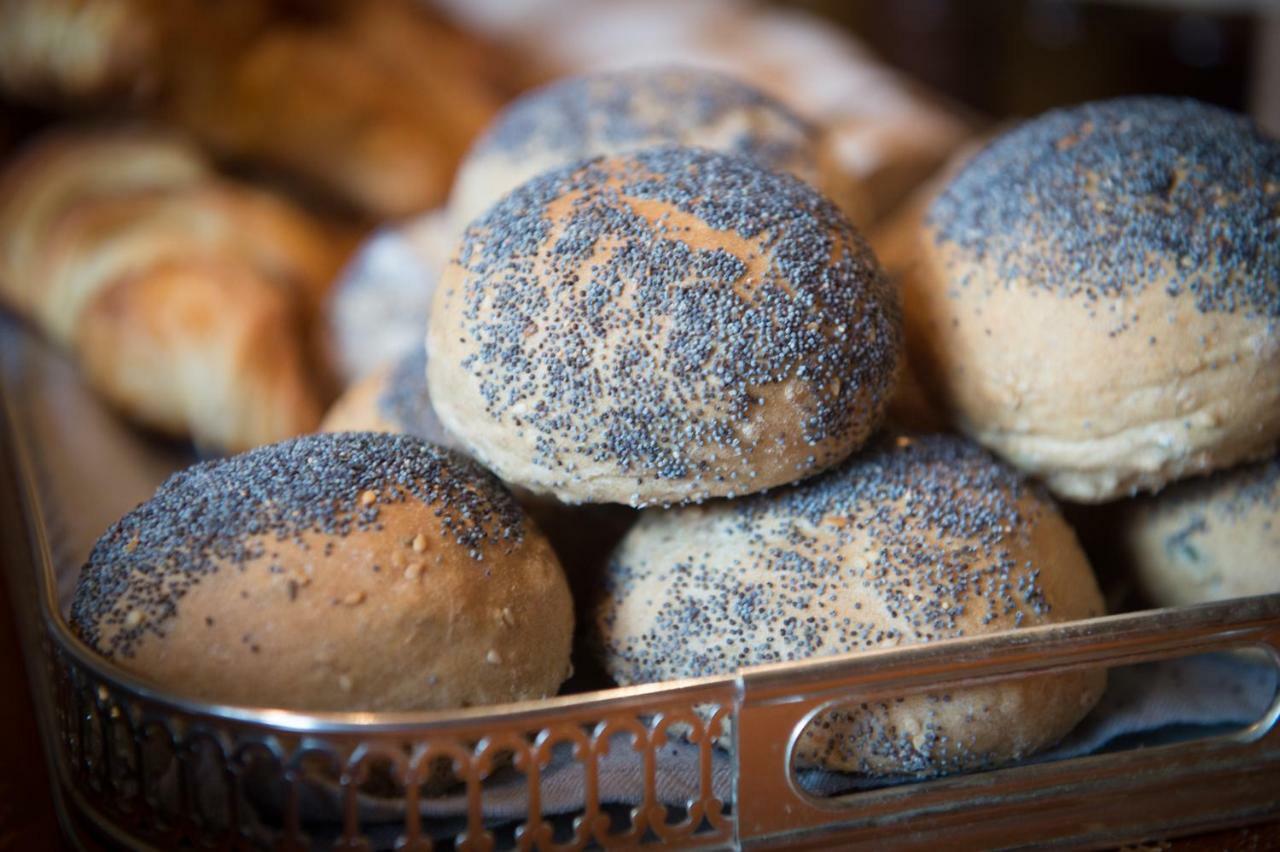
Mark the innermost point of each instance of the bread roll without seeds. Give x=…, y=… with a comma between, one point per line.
x=1096, y=295
x=659, y=327
x=913, y=540
x=187, y=299
x=352, y=571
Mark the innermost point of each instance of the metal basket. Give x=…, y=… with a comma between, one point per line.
x=138, y=768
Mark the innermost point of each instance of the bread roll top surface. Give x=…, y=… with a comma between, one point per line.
x=613, y=112
x=217, y=517
x=661, y=326
x=914, y=540
x=1092, y=202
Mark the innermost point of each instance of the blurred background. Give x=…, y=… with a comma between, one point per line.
x=335, y=98
x=269, y=139
x=1021, y=57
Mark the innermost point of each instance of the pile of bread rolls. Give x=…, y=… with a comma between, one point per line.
x=1095, y=297
x=640, y=396
x=670, y=315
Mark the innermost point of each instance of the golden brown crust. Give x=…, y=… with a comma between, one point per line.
x=386, y=575
x=200, y=348
x=361, y=104
x=48, y=179
x=99, y=227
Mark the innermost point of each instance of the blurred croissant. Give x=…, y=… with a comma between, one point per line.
x=374, y=103
x=184, y=297
x=78, y=50
x=370, y=102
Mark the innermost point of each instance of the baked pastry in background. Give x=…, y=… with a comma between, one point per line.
x=1207, y=539
x=615, y=112
x=378, y=309
x=662, y=326
x=352, y=571
x=1096, y=295
x=913, y=540
x=72, y=51
x=882, y=134
x=185, y=298
x=363, y=101
x=371, y=104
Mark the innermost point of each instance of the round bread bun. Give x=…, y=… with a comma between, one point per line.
x=662, y=326
x=913, y=540
x=1208, y=539
x=393, y=398
x=352, y=571
x=1096, y=295
x=378, y=308
x=613, y=112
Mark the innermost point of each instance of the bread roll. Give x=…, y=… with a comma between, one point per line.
x=393, y=398
x=914, y=540
x=1096, y=295
x=619, y=111
x=78, y=50
x=881, y=133
x=659, y=327
x=352, y=571
x=360, y=101
x=378, y=308
x=1208, y=539
x=188, y=300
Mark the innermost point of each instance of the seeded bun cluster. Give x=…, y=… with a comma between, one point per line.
x=627, y=320
x=396, y=399
x=1096, y=295
x=352, y=571
x=913, y=540
x=659, y=327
